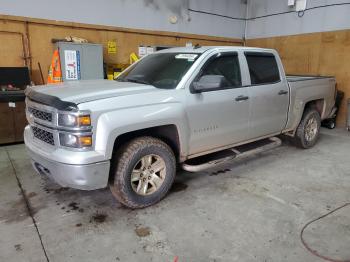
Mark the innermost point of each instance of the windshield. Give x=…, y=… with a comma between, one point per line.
x=162, y=70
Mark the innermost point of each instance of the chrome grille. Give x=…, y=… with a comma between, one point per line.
x=43, y=135
x=45, y=116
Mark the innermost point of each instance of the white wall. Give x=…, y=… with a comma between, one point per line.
x=316, y=20
x=154, y=15
x=140, y=14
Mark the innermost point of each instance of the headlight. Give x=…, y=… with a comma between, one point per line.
x=76, y=141
x=69, y=120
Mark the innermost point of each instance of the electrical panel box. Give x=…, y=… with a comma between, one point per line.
x=300, y=5
x=81, y=61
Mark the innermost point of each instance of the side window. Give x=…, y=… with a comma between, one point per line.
x=263, y=68
x=226, y=65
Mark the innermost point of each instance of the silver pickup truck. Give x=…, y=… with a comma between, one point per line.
x=190, y=107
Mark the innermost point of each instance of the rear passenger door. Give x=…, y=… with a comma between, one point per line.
x=268, y=94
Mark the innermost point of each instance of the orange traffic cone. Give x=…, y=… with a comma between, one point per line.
x=55, y=73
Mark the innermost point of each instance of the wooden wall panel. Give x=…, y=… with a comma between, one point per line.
x=12, y=37
x=40, y=32
x=326, y=53
x=11, y=49
x=41, y=35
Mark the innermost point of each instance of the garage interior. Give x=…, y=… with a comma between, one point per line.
x=286, y=204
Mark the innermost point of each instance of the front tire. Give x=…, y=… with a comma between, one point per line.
x=144, y=173
x=308, y=130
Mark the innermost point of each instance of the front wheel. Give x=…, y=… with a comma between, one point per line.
x=144, y=173
x=308, y=130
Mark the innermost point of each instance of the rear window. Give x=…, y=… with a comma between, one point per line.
x=263, y=68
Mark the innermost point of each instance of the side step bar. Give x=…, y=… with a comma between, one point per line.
x=215, y=159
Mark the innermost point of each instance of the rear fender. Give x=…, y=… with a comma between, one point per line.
x=318, y=103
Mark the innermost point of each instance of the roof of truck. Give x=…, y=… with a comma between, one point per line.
x=203, y=49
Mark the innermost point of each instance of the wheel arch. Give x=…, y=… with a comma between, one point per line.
x=318, y=104
x=167, y=133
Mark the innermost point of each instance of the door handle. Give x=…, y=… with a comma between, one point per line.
x=241, y=98
x=282, y=92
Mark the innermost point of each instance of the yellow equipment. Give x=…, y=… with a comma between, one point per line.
x=133, y=58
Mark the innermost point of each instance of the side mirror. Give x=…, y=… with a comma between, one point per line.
x=208, y=83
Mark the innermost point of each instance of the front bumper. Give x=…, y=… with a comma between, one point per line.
x=80, y=170
x=85, y=177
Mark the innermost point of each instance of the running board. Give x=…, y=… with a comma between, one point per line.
x=239, y=152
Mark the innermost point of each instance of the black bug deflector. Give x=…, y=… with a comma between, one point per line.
x=50, y=100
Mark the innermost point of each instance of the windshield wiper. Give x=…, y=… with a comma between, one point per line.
x=136, y=80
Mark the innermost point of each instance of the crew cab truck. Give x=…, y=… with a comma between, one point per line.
x=169, y=109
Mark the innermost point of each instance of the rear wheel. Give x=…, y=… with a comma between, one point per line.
x=144, y=173
x=308, y=130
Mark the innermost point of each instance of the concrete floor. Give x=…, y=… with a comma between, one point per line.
x=251, y=210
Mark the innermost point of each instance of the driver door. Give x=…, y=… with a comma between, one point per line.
x=218, y=117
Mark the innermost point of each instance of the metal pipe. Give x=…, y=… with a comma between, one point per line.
x=29, y=52
x=246, y=23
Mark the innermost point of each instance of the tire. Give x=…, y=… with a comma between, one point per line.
x=135, y=184
x=303, y=137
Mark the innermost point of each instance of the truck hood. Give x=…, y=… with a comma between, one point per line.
x=89, y=90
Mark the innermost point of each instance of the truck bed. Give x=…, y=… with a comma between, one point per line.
x=309, y=88
x=295, y=78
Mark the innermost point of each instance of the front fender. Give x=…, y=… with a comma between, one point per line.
x=112, y=124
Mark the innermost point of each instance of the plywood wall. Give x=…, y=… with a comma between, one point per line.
x=326, y=53
x=38, y=47
x=11, y=53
